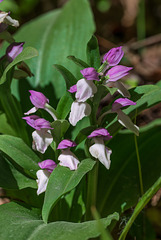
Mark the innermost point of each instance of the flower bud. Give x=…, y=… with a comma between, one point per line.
x=117, y=72
x=48, y=164
x=66, y=144
x=14, y=50
x=100, y=132
x=121, y=102
x=90, y=74
x=114, y=56
x=38, y=99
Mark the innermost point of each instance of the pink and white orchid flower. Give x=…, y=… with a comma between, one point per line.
x=84, y=89
x=123, y=119
x=67, y=158
x=42, y=137
x=79, y=110
x=47, y=166
x=116, y=73
x=98, y=149
x=39, y=100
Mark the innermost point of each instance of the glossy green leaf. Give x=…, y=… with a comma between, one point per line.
x=122, y=179
x=20, y=153
x=57, y=35
x=61, y=181
x=5, y=128
x=78, y=61
x=64, y=105
x=27, y=53
x=93, y=53
x=11, y=178
x=20, y=223
x=67, y=75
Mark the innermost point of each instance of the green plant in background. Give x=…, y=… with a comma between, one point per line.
x=53, y=198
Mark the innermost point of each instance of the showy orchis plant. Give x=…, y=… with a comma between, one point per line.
x=84, y=91
x=86, y=153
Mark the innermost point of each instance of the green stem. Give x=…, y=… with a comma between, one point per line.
x=91, y=190
x=139, y=166
x=141, y=204
x=138, y=161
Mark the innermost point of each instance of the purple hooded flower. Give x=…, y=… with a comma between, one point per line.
x=43, y=175
x=1, y=1
x=67, y=158
x=66, y=143
x=98, y=149
x=121, y=102
x=48, y=164
x=90, y=74
x=114, y=56
x=38, y=99
x=37, y=122
x=73, y=89
x=14, y=50
x=100, y=132
x=117, y=73
x=123, y=119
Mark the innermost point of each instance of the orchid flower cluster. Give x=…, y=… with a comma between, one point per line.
x=109, y=74
x=14, y=48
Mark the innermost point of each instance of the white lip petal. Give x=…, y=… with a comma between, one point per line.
x=78, y=111
x=85, y=90
x=3, y=15
x=32, y=110
x=101, y=152
x=122, y=89
x=125, y=121
x=42, y=181
x=68, y=159
x=41, y=140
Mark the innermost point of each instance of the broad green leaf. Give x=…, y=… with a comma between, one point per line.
x=20, y=153
x=122, y=179
x=105, y=235
x=57, y=35
x=67, y=75
x=93, y=54
x=5, y=128
x=9, y=5
x=27, y=53
x=78, y=61
x=11, y=178
x=61, y=181
x=139, y=207
x=22, y=223
x=64, y=105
